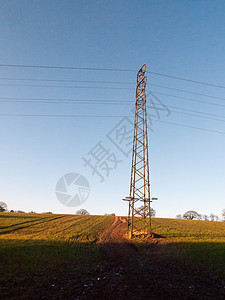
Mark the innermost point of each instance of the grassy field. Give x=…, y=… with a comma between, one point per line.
x=33, y=247
x=199, y=242
x=41, y=249
x=189, y=230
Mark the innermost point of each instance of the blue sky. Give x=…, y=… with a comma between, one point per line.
x=179, y=38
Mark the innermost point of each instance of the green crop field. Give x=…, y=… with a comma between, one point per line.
x=33, y=247
x=199, y=242
x=36, y=250
x=189, y=230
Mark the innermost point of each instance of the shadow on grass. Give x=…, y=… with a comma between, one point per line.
x=38, y=265
x=30, y=269
x=209, y=256
x=158, y=236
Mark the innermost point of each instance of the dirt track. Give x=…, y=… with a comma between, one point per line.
x=145, y=271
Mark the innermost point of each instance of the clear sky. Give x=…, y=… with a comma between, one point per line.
x=180, y=38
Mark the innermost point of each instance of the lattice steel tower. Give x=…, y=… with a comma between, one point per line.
x=139, y=198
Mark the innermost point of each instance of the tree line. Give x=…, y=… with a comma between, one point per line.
x=188, y=215
x=194, y=215
x=4, y=208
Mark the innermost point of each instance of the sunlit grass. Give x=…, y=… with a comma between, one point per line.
x=44, y=244
x=76, y=228
x=190, y=230
x=201, y=243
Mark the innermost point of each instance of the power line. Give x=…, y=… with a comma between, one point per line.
x=67, y=86
x=188, y=126
x=64, y=80
x=188, y=114
x=62, y=116
x=196, y=111
x=190, y=99
x=101, y=116
x=186, y=79
x=66, y=68
x=108, y=88
x=93, y=102
x=61, y=99
x=154, y=107
x=107, y=82
x=189, y=92
x=111, y=69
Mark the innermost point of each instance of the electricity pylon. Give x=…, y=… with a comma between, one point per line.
x=139, y=219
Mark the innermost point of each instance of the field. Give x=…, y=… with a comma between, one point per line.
x=201, y=242
x=48, y=256
x=41, y=249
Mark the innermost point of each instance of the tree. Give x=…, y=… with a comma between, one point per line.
x=190, y=215
x=142, y=208
x=3, y=206
x=112, y=214
x=82, y=211
x=217, y=218
x=212, y=217
x=205, y=217
x=199, y=217
x=223, y=214
x=179, y=216
x=153, y=212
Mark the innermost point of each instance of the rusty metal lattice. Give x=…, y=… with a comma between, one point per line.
x=139, y=219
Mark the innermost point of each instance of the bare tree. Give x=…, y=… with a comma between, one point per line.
x=217, y=218
x=199, y=217
x=179, y=216
x=112, y=214
x=190, y=215
x=82, y=211
x=223, y=214
x=153, y=212
x=3, y=206
x=212, y=217
x=205, y=217
x=142, y=208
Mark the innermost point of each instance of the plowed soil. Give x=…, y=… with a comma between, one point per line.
x=145, y=270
